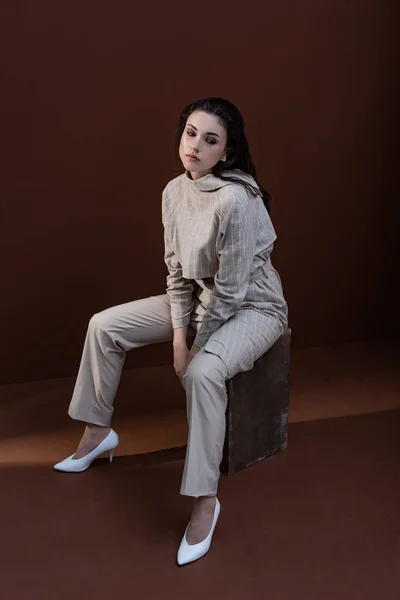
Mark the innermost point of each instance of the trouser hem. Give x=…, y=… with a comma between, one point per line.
x=197, y=494
x=91, y=419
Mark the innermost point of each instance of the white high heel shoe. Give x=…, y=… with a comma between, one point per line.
x=189, y=553
x=81, y=464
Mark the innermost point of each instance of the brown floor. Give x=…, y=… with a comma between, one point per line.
x=319, y=520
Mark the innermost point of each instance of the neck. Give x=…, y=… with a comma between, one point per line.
x=198, y=174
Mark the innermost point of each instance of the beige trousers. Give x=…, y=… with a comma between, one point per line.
x=114, y=331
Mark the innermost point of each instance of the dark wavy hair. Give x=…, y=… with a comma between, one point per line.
x=238, y=151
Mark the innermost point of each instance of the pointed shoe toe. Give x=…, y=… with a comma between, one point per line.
x=189, y=553
x=70, y=465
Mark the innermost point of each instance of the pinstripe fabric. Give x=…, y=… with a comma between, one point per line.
x=218, y=241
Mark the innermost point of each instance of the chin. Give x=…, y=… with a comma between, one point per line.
x=189, y=165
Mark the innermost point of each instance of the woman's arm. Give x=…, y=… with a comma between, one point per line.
x=180, y=336
x=182, y=355
x=236, y=249
x=179, y=289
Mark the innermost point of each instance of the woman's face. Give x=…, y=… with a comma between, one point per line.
x=203, y=143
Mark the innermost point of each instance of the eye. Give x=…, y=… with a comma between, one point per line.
x=191, y=133
x=211, y=141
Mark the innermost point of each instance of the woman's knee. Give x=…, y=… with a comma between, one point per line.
x=101, y=320
x=205, y=366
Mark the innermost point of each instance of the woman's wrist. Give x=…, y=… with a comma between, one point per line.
x=180, y=335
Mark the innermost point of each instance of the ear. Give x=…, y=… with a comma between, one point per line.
x=223, y=157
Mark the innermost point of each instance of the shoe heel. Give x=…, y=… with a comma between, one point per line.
x=110, y=454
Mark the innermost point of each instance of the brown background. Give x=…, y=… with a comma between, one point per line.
x=91, y=96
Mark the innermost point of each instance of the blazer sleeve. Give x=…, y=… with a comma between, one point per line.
x=179, y=290
x=236, y=249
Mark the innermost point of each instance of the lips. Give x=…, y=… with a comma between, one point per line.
x=192, y=157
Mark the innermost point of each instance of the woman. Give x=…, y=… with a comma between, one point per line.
x=220, y=284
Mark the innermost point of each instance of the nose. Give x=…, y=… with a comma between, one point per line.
x=194, y=146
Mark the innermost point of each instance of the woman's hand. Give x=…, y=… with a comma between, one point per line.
x=181, y=355
x=183, y=358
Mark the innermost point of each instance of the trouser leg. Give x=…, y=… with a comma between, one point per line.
x=111, y=333
x=206, y=399
x=233, y=348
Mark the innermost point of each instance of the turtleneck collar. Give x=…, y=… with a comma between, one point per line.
x=209, y=182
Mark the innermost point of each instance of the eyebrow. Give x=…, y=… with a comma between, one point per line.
x=208, y=132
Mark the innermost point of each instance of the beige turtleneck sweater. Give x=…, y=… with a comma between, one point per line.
x=218, y=239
